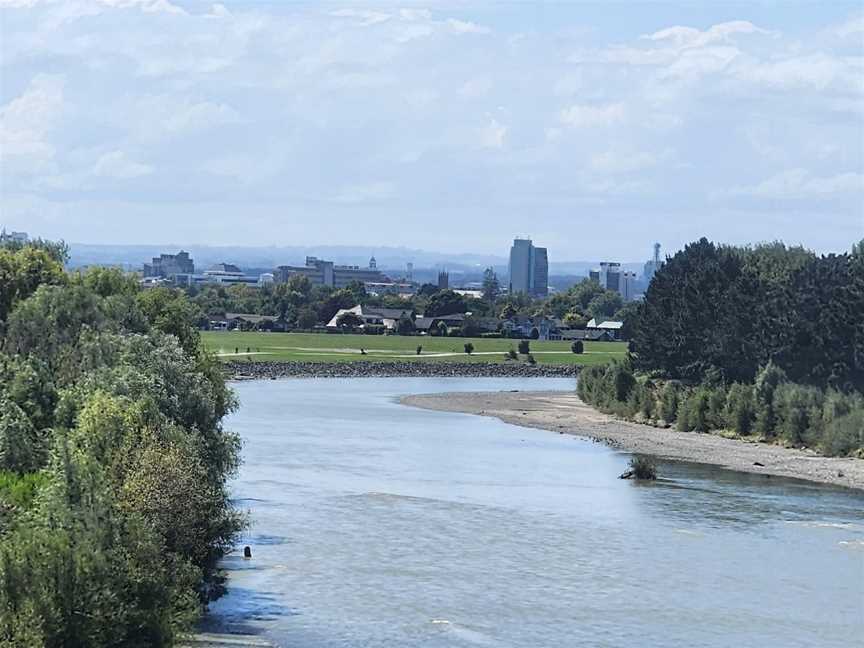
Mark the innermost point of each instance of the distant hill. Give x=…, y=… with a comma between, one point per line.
x=132, y=257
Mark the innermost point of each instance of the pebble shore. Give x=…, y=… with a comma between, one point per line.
x=273, y=370
x=564, y=413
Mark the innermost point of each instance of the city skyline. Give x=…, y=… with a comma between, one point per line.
x=594, y=128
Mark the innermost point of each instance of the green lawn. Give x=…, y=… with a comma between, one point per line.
x=322, y=347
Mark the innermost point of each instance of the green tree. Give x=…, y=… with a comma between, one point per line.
x=445, y=302
x=491, y=287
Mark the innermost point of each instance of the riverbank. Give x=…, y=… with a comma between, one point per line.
x=565, y=413
x=420, y=369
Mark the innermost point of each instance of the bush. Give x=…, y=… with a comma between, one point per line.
x=844, y=435
x=669, y=402
x=648, y=405
x=419, y=349
x=767, y=380
x=798, y=412
x=577, y=347
x=469, y=348
x=621, y=379
x=512, y=355
x=530, y=359
x=739, y=412
x=693, y=411
x=643, y=467
x=716, y=408
x=524, y=347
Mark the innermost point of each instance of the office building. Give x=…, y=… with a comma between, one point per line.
x=327, y=273
x=608, y=275
x=628, y=286
x=168, y=265
x=529, y=269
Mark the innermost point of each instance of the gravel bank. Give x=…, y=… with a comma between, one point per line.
x=272, y=370
x=563, y=412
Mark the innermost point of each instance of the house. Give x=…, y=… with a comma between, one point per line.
x=427, y=324
x=246, y=322
x=372, y=316
x=615, y=328
x=537, y=327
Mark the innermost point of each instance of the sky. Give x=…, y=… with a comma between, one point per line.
x=594, y=128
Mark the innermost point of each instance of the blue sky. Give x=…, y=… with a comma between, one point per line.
x=596, y=128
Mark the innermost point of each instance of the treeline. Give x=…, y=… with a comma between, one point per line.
x=765, y=341
x=113, y=461
x=304, y=306
x=772, y=408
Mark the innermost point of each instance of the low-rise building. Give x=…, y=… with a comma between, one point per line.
x=537, y=328
x=327, y=273
x=612, y=326
x=372, y=316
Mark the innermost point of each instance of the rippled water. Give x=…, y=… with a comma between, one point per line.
x=375, y=524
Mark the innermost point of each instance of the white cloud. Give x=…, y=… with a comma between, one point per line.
x=366, y=192
x=588, y=115
x=464, y=27
x=614, y=162
x=492, y=135
x=686, y=37
x=116, y=164
x=799, y=183
x=27, y=121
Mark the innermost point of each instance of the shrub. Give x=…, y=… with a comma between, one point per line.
x=530, y=359
x=469, y=348
x=419, y=349
x=716, y=408
x=797, y=410
x=844, y=435
x=649, y=400
x=512, y=355
x=767, y=380
x=669, y=402
x=643, y=467
x=739, y=409
x=621, y=380
x=577, y=347
x=693, y=411
x=524, y=347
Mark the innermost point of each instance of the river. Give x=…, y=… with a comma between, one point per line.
x=375, y=524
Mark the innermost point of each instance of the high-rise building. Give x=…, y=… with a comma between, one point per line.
x=168, y=265
x=608, y=275
x=628, y=286
x=443, y=280
x=409, y=271
x=529, y=269
x=652, y=266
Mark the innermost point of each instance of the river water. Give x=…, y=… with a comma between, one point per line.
x=375, y=524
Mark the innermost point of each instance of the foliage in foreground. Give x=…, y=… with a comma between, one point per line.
x=113, y=461
x=773, y=408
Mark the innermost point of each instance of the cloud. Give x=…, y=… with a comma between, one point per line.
x=589, y=115
x=27, y=121
x=464, y=27
x=117, y=164
x=492, y=135
x=794, y=184
x=366, y=192
x=688, y=37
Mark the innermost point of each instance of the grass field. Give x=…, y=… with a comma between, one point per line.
x=321, y=347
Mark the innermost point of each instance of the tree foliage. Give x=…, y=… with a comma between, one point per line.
x=107, y=392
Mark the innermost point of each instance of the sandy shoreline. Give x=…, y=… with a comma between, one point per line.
x=563, y=412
